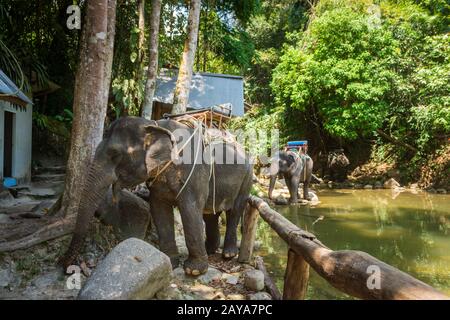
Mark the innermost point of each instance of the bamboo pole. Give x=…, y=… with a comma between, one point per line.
x=353, y=272
x=248, y=234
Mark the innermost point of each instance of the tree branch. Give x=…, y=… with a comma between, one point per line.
x=395, y=141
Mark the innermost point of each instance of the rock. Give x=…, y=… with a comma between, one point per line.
x=254, y=280
x=280, y=200
x=230, y=279
x=313, y=197
x=6, y=198
x=391, y=184
x=179, y=274
x=5, y=278
x=4, y=218
x=441, y=191
x=358, y=186
x=259, y=296
x=211, y=275
x=170, y=293
x=134, y=269
x=378, y=185
x=235, y=296
x=202, y=291
x=431, y=190
x=368, y=187
x=48, y=279
x=414, y=186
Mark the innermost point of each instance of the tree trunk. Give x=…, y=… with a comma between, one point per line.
x=181, y=95
x=152, y=71
x=141, y=25
x=90, y=96
x=91, y=92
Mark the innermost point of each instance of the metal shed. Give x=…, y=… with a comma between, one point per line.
x=207, y=90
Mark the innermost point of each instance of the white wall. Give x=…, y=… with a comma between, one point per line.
x=22, y=132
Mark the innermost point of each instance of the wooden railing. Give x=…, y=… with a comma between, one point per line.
x=355, y=273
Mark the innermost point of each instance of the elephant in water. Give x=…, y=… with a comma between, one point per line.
x=136, y=150
x=294, y=168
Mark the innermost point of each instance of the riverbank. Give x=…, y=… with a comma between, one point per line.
x=32, y=274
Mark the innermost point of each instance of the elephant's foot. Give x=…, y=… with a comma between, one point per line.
x=230, y=252
x=195, y=267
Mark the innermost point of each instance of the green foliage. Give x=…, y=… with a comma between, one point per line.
x=343, y=71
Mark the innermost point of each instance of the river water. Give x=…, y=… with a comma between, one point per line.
x=406, y=230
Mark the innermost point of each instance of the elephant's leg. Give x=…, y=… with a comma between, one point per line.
x=230, y=248
x=306, y=190
x=212, y=232
x=162, y=214
x=191, y=211
x=292, y=184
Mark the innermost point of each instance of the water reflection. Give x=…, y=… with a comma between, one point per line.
x=409, y=231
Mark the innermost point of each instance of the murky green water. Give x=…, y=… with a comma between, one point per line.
x=408, y=231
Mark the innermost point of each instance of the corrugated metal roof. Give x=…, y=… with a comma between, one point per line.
x=10, y=92
x=207, y=90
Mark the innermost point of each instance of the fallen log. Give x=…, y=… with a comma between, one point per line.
x=270, y=285
x=55, y=229
x=353, y=272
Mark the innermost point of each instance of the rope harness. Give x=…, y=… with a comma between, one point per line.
x=206, y=138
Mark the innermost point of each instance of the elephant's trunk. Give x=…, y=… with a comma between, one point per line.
x=273, y=179
x=273, y=171
x=94, y=191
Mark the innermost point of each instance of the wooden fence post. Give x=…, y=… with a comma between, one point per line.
x=248, y=234
x=296, y=277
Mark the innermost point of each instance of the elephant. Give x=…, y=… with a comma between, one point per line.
x=135, y=150
x=294, y=168
x=337, y=165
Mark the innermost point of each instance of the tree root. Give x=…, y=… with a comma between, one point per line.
x=57, y=228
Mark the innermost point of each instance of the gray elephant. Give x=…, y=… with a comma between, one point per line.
x=136, y=150
x=294, y=168
x=337, y=165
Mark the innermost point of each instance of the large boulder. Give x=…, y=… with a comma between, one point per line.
x=391, y=184
x=134, y=269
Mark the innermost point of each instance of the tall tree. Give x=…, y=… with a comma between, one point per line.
x=90, y=103
x=152, y=71
x=141, y=25
x=181, y=96
x=90, y=96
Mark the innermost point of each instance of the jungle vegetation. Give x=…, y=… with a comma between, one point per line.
x=369, y=76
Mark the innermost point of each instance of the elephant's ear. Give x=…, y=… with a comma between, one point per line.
x=152, y=133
